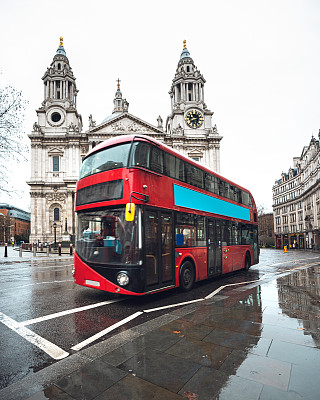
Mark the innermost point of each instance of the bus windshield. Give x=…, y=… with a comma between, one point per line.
x=105, y=160
x=105, y=237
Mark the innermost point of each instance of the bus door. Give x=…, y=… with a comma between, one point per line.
x=214, y=247
x=159, y=252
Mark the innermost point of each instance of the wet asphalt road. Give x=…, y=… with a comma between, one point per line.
x=34, y=291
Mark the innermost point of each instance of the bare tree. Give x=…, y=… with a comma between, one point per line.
x=12, y=147
x=261, y=210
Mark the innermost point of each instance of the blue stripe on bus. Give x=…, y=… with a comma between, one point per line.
x=188, y=198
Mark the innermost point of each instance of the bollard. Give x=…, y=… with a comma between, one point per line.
x=59, y=249
x=71, y=249
x=48, y=251
x=34, y=250
x=6, y=249
x=20, y=251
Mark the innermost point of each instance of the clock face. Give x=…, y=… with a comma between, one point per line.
x=194, y=118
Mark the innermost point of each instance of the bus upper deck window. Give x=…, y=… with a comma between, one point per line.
x=141, y=155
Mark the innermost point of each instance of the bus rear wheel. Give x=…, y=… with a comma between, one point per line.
x=187, y=276
x=247, y=262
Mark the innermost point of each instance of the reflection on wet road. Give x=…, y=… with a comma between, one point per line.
x=271, y=311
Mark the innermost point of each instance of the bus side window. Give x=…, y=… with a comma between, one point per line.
x=237, y=195
x=246, y=234
x=169, y=165
x=245, y=198
x=180, y=174
x=231, y=192
x=194, y=176
x=236, y=231
x=226, y=233
x=141, y=155
x=222, y=188
x=156, y=163
x=211, y=183
x=190, y=230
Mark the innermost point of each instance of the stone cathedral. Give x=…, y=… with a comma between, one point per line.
x=58, y=143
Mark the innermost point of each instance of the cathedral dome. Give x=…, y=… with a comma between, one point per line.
x=185, y=55
x=61, y=51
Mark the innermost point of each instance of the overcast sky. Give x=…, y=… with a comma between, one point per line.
x=260, y=59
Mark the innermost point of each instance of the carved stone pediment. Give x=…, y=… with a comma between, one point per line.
x=125, y=124
x=57, y=150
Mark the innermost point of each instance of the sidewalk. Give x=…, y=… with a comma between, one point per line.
x=258, y=341
x=13, y=255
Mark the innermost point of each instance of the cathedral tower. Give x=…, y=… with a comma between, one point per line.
x=189, y=125
x=57, y=146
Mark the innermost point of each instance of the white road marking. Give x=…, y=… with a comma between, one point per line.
x=57, y=353
x=105, y=331
x=43, y=344
x=172, y=305
x=67, y=312
x=215, y=292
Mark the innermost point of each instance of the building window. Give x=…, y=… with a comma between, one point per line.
x=55, y=163
x=56, y=214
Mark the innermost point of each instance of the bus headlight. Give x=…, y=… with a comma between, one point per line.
x=122, y=279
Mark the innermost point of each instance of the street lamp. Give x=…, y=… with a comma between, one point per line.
x=10, y=231
x=55, y=234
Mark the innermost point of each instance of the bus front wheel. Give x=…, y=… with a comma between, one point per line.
x=187, y=276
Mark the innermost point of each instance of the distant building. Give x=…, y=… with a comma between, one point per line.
x=266, y=231
x=296, y=201
x=14, y=224
x=58, y=142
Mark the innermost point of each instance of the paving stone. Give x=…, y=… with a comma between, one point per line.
x=266, y=371
x=272, y=393
x=305, y=382
x=134, y=388
x=204, y=353
x=52, y=392
x=161, y=369
x=154, y=340
x=295, y=353
x=90, y=380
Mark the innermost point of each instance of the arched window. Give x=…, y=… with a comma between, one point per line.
x=56, y=214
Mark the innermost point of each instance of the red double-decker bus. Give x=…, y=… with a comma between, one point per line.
x=150, y=219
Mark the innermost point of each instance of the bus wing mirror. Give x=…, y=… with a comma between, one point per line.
x=130, y=209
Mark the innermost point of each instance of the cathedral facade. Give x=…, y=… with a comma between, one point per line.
x=58, y=143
